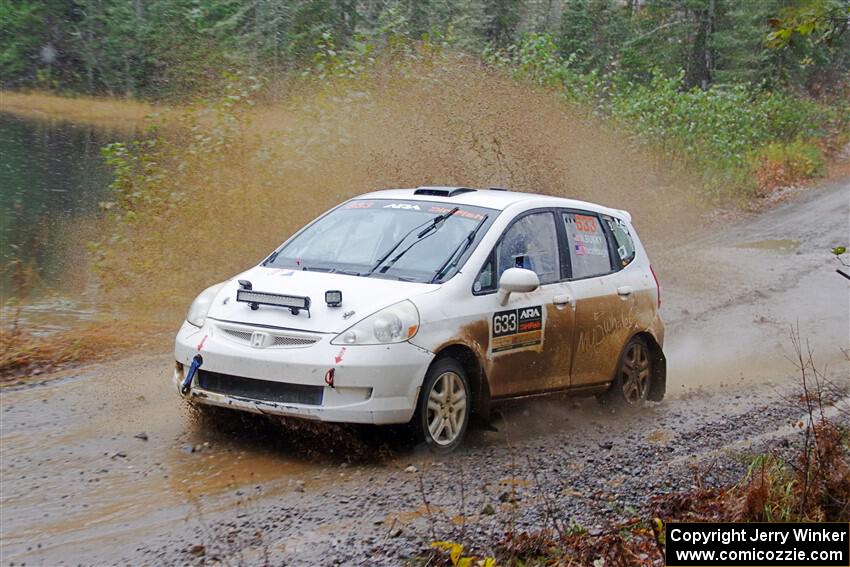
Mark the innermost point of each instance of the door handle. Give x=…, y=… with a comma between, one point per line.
x=561, y=301
x=624, y=290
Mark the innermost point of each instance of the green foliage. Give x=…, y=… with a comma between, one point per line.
x=825, y=19
x=18, y=21
x=719, y=131
x=593, y=32
x=727, y=134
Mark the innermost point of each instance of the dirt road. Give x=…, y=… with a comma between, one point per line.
x=105, y=465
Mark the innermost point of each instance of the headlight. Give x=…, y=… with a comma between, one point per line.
x=394, y=324
x=200, y=307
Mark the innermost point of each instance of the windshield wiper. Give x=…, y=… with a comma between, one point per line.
x=272, y=258
x=431, y=225
x=459, y=251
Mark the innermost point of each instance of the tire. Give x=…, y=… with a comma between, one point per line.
x=442, y=413
x=633, y=381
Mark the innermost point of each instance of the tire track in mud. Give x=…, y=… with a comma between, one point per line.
x=79, y=484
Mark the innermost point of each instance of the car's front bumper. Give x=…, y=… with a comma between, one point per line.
x=376, y=384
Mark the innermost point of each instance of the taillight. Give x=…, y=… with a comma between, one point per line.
x=657, y=286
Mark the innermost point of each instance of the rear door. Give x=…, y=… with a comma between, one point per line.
x=604, y=300
x=531, y=337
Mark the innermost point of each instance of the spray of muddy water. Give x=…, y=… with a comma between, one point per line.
x=222, y=205
x=229, y=181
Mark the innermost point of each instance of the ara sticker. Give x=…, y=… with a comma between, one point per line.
x=404, y=206
x=517, y=329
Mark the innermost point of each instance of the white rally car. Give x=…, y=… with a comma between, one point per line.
x=426, y=305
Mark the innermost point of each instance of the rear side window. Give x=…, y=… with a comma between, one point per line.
x=623, y=238
x=589, y=252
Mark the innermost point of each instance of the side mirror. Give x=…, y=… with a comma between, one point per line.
x=516, y=280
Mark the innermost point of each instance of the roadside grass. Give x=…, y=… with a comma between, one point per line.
x=27, y=351
x=801, y=479
x=112, y=113
x=741, y=142
x=25, y=355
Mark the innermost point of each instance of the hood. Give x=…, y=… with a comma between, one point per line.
x=362, y=295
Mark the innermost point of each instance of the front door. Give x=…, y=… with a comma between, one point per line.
x=530, y=337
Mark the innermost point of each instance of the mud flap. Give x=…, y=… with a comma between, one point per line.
x=659, y=381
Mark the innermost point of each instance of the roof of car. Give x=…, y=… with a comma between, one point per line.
x=493, y=198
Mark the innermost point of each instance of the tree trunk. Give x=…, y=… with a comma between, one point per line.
x=700, y=61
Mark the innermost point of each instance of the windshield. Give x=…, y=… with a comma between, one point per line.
x=398, y=239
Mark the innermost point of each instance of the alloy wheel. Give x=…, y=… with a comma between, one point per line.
x=636, y=373
x=446, y=410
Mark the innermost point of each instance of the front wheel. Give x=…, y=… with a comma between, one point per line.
x=442, y=414
x=633, y=381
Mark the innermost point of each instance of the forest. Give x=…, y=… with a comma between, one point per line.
x=750, y=95
x=158, y=48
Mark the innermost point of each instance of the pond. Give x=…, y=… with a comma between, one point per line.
x=52, y=178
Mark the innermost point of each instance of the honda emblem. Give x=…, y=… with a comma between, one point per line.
x=258, y=339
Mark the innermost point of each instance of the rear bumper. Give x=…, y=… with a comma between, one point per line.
x=376, y=384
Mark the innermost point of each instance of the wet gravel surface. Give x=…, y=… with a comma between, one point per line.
x=596, y=465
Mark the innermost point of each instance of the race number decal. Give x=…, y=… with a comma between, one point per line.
x=517, y=329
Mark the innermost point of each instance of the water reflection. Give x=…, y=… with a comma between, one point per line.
x=51, y=180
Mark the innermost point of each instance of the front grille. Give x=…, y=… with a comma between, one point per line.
x=281, y=340
x=244, y=336
x=288, y=340
x=263, y=390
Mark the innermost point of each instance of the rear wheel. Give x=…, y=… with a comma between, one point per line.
x=634, y=375
x=442, y=414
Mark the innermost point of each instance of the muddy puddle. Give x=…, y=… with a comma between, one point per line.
x=84, y=455
x=779, y=245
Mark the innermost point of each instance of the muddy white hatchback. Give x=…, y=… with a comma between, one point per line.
x=426, y=305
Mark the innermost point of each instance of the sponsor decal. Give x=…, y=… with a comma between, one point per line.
x=359, y=205
x=404, y=206
x=517, y=329
x=437, y=210
x=590, y=245
x=586, y=223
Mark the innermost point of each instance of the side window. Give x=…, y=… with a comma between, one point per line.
x=623, y=238
x=485, y=280
x=588, y=245
x=532, y=243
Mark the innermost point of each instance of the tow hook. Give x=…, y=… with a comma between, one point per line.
x=197, y=361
